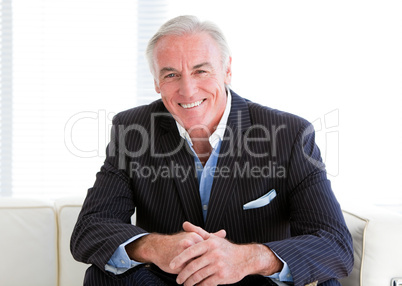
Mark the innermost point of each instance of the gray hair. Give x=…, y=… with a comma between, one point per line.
x=184, y=25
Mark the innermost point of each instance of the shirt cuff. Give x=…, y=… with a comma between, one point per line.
x=120, y=262
x=285, y=275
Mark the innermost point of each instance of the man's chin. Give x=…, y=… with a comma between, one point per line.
x=195, y=124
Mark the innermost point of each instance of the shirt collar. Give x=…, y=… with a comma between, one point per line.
x=220, y=130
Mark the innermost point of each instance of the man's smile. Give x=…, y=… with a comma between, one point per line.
x=191, y=105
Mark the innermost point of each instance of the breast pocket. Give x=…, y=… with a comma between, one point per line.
x=261, y=201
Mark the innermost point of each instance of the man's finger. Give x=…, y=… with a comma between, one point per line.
x=206, y=276
x=221, y=233
x=189, y=227
x=188, y=254
x=194, y=272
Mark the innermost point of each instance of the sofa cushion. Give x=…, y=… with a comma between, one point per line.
x=377, y=236
x=68, y=210
x=28, y=243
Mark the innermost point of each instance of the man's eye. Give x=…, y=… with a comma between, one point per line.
x=201, y=71
x=170, y=75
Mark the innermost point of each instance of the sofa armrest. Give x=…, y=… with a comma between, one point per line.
x=377, y=241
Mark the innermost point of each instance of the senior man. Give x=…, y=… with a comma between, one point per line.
x=226, y=191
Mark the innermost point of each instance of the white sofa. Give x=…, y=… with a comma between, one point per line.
x=35, y=235
x=35, y=243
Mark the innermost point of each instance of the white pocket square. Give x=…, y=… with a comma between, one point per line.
x=260, y=202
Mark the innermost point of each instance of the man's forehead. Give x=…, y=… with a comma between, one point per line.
x=201, y=42
x=193, y=51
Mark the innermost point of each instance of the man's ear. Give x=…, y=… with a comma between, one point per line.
x=228, y=72
x=156, y=85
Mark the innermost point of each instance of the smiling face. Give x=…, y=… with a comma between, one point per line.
x=191, y=79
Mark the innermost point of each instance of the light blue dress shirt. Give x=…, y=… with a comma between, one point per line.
x=205, y=177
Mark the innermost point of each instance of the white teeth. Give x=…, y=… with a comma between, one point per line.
x=191, y=104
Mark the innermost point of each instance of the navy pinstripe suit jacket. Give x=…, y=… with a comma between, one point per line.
x=149, y=168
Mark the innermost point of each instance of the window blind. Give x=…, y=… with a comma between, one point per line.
x=151, y=15
x=76, y=65
x=5, y=97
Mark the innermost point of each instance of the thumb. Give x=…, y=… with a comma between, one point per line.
x=221, y=233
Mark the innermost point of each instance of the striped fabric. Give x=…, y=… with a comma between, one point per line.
x=150, y=275
x=149, y=167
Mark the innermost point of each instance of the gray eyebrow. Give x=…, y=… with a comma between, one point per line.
x=169, y=69
x=201, y=65
x=166, y=69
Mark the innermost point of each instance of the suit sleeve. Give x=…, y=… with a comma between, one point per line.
x=105, y=218
x=320, y=247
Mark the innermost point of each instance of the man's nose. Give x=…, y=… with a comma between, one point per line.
x=188, y=86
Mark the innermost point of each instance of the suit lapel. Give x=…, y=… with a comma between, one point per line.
x=179, y=155
x=231, y=153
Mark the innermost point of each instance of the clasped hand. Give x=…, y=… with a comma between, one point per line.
x=211, y=261
x=203, y=258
